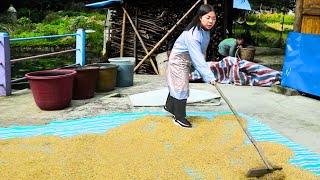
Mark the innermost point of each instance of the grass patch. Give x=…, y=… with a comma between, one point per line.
x=271, y=18
x=266, y=29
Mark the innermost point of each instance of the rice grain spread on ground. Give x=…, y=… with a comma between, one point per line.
x=148, y=148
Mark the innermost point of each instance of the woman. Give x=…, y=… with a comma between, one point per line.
x=189, y=48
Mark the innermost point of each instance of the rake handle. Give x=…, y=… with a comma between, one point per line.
x=253, y=141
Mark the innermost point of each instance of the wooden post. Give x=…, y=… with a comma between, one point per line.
x=281, y=33
x=227, y=18
x=298, y=16
x=140, y=39
x=166, y=35
x=5, y=65
x=135, y=35
x=122, y=33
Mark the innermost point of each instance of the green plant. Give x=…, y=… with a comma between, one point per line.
x=6, y=28
x=61, y=23
x=23, y=21
x=33, y=14
x=51, y=17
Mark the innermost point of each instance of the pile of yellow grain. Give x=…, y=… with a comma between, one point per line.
x=149, y=148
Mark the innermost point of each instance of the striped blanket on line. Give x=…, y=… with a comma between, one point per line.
x=231, y=70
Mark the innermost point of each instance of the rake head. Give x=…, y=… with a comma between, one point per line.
x=259, y=172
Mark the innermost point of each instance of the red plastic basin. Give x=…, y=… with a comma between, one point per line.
x=51, y=89
x=85, y=82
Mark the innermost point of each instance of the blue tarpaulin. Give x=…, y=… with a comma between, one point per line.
x=104, y=4
x=241, y=4
x=301, y=69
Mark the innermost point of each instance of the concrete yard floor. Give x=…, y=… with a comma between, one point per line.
x=295, y=117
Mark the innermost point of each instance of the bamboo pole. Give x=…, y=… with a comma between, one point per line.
x=140, y=39
x=135, y=36
x=122, y=33
x=166, y=35
x=253, y=141
x=298, y=16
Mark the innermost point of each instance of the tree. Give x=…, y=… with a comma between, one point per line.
x=5, y=4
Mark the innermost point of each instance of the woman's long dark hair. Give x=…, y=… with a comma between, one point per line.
x=203, y=9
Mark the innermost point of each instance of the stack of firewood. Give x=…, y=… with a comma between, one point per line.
x=153, y=19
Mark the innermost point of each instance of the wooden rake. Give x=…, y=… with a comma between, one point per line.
x=254, y=172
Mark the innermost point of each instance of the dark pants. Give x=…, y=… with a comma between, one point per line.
x=176, y=107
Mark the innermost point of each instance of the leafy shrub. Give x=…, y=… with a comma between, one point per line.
x=34, y=15
x=61, y=23
x=78, y=22
x=24, y=21
x=51, y=17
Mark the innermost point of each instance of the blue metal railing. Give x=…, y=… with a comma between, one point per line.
x=5, y=61
x=41, y=37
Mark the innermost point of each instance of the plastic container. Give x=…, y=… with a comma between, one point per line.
x=107, y=77
x=52, y=89
x=84, y=84
x=125, y=70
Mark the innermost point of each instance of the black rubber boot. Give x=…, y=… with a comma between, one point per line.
x=180, y=113
x=183, y=123
x=169, y=107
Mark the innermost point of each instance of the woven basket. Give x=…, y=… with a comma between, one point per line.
x=247, y=53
